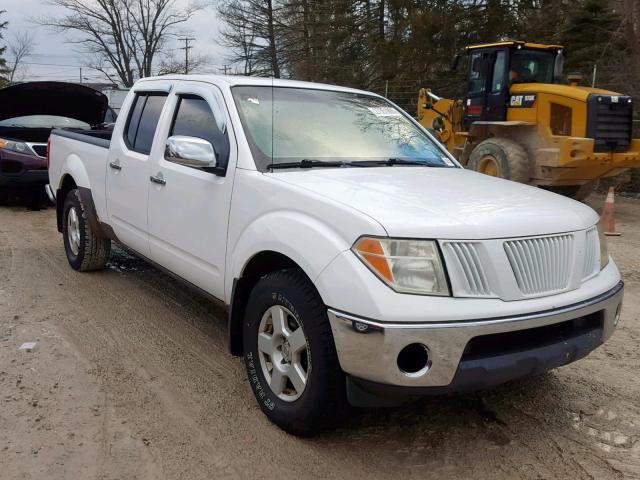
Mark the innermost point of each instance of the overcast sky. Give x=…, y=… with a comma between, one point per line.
x=63, y=63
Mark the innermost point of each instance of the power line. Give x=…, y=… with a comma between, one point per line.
x=186, y=49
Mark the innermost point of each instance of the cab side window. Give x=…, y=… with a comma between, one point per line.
x=477, y=79
x=194, y=118
x=499, y=71
x=143, y=121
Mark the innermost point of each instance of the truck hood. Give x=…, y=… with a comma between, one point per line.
x=445, y=203
x=53, y=98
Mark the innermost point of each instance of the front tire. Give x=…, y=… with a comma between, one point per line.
x=501, y=157
x=290, y=354
x=85, y=251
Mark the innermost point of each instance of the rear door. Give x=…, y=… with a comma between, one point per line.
x=189, y=212
x=128, y=167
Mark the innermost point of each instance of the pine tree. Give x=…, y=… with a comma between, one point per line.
x=593, y=36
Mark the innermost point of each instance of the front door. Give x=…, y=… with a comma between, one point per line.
x=189, y=209
x=127, y=180
x=487, y=90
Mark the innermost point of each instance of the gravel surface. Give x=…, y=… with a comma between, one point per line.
x=130, y=379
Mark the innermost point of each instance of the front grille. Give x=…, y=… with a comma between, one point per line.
x=541, y=265
x=41, y=150
x=610, y=122
x=469, y=264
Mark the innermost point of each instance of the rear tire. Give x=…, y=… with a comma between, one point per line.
x=501, y=157
x=85, y=251
x=300, y=408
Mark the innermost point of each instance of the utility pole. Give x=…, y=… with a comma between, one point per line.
x=186, y=49
x=80, y=74
x=226, y=69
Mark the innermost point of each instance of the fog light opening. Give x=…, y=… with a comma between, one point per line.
x=616, y=319
x=413, y=360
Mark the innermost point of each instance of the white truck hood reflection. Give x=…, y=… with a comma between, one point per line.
x=444, y=203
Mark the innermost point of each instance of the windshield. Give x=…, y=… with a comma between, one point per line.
x=285, y=125
x=44, y=121
x=532, y=66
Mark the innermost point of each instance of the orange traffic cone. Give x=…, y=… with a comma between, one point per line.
x=607, y=218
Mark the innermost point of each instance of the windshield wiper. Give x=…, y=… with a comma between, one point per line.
x=306, y=163
x=401, y=161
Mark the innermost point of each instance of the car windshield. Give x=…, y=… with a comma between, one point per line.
x=532, y=66
x=288, y=125
x=44, y=121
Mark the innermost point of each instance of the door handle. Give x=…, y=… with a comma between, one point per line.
x=158, y=179
x=115, y=165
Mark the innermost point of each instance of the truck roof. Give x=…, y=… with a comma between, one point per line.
x=235, y=80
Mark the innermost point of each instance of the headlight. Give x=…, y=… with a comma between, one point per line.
x=604, y=252
x=19, y=147
x=407, y=266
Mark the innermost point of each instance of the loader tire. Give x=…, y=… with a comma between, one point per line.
x=501, y=157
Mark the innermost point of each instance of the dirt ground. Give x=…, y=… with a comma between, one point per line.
x=130, y=379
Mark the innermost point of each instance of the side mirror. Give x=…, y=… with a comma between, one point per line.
x=190, y=151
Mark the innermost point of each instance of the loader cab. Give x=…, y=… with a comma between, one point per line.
x=493, y=68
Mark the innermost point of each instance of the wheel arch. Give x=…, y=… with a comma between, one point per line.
x=67, y=183
x=259, y=265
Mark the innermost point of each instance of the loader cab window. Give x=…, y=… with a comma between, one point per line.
x=499, y=69
x=477, y=79
x=531, y=66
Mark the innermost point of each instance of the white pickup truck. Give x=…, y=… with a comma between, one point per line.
x=357, y=260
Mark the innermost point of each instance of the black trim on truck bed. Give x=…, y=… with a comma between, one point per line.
x=100, y=138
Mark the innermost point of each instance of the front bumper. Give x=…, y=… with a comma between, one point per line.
x=368, y=349
x=26, y=178
x=573, y=161
x=19, y=170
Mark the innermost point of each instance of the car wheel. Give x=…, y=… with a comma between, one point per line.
x=290, y=354
x=85, y=251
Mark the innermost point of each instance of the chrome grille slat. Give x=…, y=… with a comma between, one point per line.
x=542, y=264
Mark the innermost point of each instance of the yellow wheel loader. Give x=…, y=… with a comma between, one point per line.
x=518, y=120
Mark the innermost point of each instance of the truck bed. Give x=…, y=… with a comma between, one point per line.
x=85, y=154
x=100, y=138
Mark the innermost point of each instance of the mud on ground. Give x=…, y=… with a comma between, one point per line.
x=130, y=379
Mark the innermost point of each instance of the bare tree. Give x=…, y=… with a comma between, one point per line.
x=124, y=36
x=172, y=62
x=252, y=35
x=21, y=47
x=3, y=64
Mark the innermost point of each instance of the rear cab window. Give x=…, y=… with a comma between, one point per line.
x=143, y=121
